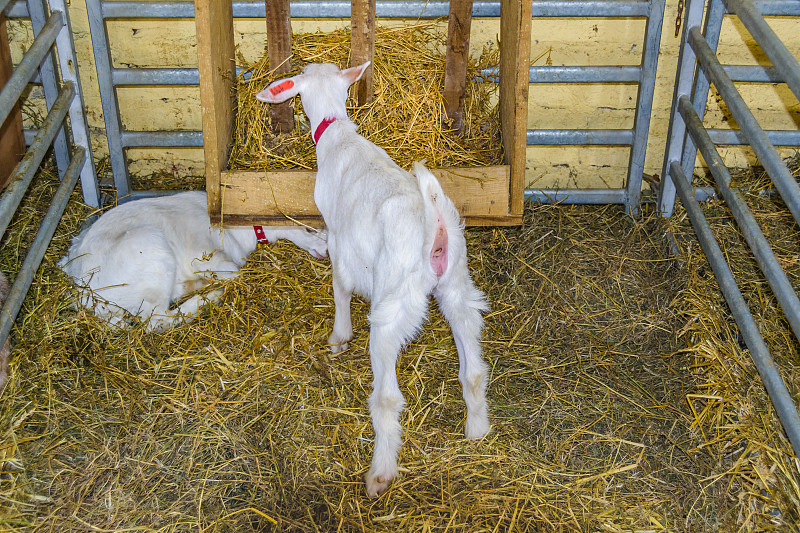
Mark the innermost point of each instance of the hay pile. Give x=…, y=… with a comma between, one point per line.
x=243, y=420
x=753, y=464
x=405, y=117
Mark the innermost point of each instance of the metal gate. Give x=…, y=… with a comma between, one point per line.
x=119, y=139
x=50, y=60
x=698, y=66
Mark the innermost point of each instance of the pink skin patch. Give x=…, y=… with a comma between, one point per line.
x=283, y=86
x=439, y=250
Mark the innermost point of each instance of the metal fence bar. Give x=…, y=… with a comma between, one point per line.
x=676, y=132
x=644, y=105
x=574, y=74
x=776, y=51
x=579, y=137
x=108, y=93
x=384, y=9
x=585, y=74
x=184, y=139
x=712, y=27
x=49, y=80
x=737, y=137
x=155, y=76
x=752, y=73
x=776, y=388
x=26, y=69
x=33, y=258
x=769, y=265
x=21, y=180
x=68, y=63
x=765, y=151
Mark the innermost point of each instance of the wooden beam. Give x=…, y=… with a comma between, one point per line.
x=515, y=52
x=215, y=53
x=456, y=58
x=12, y=136
x=279, y=197
x=362, y=46
x=279, y=48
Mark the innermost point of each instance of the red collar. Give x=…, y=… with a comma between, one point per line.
x=322, y=127
x=261, y=237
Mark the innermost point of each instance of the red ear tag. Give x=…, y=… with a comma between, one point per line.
x=288, y=84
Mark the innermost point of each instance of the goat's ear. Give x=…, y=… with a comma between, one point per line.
x=353, y=74
x=280, y=90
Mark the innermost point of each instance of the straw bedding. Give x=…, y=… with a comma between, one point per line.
x=405, y=117
x=621, y=396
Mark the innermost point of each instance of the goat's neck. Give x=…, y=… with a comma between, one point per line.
x=330, y=117
x=324, y=108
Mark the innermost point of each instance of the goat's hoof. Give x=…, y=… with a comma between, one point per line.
x=338, y=344
x=378, y=483
x=477, y=427
x=336, y=348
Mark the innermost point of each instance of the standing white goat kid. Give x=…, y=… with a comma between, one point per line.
x=143, y=255
x=394, y=239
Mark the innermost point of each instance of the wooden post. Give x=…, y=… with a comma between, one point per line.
x=515, y=53
x=279, y=47
x=12, y=137
x=457, y=55
x=362, y=45
x=215, y=53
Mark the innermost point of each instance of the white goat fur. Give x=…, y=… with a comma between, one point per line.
x=381, y=224
x=143, y=255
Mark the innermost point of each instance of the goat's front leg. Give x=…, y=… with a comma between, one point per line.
x=342, y=326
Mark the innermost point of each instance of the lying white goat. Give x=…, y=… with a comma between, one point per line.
x=394, y=239
x=143, y=255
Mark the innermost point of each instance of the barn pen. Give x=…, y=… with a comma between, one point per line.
x=634, y=386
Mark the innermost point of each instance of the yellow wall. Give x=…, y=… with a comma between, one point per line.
x=553, y=41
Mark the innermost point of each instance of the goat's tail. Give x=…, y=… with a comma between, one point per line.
x=440, y=214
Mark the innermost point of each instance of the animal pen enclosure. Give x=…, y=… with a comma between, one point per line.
x=622, y=395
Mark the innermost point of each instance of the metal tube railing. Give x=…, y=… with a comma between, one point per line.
x=138, y=139
x=778, y=281
x=765, y=151
x=48, y=76
x=26, y=69
x=33, y=259
x=773, y=383
x=579, y=137
x=737, y=137
x=776, y=51
x=26, y=170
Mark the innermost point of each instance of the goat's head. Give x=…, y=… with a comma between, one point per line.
x=322, y=88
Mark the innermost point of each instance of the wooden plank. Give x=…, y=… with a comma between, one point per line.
x=456, y=57
x=362, y=46
x=279, y=48
x=12, y=136
x=215, y=54
x=515, y=51
x=278, y=197
x=317, y=222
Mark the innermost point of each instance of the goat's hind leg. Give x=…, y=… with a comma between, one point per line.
x=392, y=324
x=462, y=303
